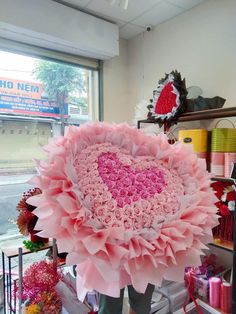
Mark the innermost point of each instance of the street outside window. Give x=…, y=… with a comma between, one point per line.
x=38, y=100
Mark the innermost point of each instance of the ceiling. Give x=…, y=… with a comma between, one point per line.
x=139, y=14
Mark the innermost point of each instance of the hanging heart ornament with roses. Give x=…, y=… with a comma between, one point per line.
x=128, y=208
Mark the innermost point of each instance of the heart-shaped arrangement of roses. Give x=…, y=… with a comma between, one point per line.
x=128, y=208
x=134, y=192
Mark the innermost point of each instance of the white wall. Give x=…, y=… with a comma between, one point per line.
x=200, y=44
x=116, y=89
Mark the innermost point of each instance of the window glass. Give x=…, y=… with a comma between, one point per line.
x=38, y=99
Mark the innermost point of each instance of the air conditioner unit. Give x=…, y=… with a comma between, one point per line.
x=52, y=25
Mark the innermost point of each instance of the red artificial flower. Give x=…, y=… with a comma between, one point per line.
x=224, y=210
x=219, y=187
x=230, y=196
x=38, y=278
x=23, y=202
x=26, y=220
x=218, y=204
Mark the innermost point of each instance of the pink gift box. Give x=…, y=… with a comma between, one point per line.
x=230, y=159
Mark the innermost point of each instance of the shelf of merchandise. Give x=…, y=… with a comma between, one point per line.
x=200, y=115
x=206, y=115
x=225, y=245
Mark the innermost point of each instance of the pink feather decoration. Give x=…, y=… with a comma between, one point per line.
x=128, y=208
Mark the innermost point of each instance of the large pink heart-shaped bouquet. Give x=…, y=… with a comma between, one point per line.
x=127, y=207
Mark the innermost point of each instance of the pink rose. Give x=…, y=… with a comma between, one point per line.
x=107, y=219
x=100, y=212
x=151, y=190
x=116, y=224
x=135, y=198
x=158, y=188
x=111, y=205
x=168, y=208
x=140, y=177
x=123, y=193
x=127, y=182
x=147, y=183
x=106, y=177
x=128, y=211
x=118, y=214
x=154, y=177
x=147, y=221
x=103, y=171
x=137, y=223
x=115, y=193
x=97, y=201
x=139, y=186
x=112, y=177
x=131, y=191
x=119, y=184
x=127, y=200
x=120, y=202
x=110, y=164
x=121, y=174
x=137, y=210
x=146, y=205
x=132, y=177
x=128, y=224
x=115, y=171
x=106, y=196
x=144, y=194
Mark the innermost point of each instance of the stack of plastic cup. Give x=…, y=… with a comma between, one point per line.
x=197, y=138
x=223, y=142
x=218, y=164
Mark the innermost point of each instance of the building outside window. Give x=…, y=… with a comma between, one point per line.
x=38, y=99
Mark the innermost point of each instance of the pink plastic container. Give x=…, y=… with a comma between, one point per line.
x=217, y=167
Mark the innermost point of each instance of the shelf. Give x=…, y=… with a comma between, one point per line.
x=201, y=115
x=209, y=308
x=12, y=251
x=208, y=114
x=191, y=308
x=225, y=245
x=223, y=179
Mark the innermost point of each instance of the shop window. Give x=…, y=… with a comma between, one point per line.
x=38, y=100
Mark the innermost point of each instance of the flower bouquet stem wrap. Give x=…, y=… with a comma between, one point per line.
x=128, y=208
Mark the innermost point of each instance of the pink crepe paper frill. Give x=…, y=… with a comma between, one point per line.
x=128, y=208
